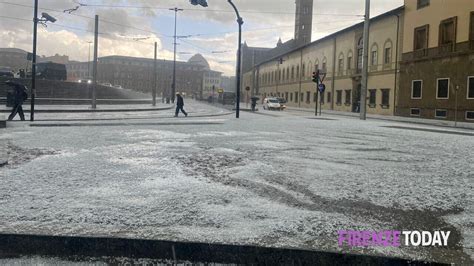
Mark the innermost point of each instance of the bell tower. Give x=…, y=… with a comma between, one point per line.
x=303, y=22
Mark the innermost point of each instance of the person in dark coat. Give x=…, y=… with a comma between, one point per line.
x=179, y=105
x=20, y=95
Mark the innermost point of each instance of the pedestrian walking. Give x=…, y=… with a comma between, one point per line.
x=20, y=95
x=180, y=105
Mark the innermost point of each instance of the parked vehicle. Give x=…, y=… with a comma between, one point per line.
x=272, y=104
x=107, y=84
x=51, y=71
x=227, y=98
x=118, y=87
x=8, y=74
x=282, y=103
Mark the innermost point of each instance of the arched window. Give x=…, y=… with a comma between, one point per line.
x=303, y=70
x=297, y=71
x=324, y=66
x=340, y=63
x=374, y=57
x=316, y=65
x=387, y=52
x=288, y=73
x=360, y=53
x=310, y=70
x=349, y=60
x=292, y=72
x=283, y=75
x=279, y=75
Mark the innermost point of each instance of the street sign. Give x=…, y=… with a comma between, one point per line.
x=322, y=75
x=321, y=87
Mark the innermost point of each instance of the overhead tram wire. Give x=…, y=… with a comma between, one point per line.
x=156, y=33
x=159, y=34
x=215, y=10
x=131, y=38
x=91, y=18
x=121, y=38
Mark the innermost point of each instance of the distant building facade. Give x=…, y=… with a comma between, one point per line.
x=437, y=68
x=194, y=78
x=78, y=70
x=252, y=56
x=14, y=59
x=228, y=83
x=59, y=59
x=339, y=55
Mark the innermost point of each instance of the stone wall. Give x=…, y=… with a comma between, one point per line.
x=72, y=90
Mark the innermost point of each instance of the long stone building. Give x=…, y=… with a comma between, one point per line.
x=340, y=56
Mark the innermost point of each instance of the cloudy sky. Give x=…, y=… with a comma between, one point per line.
x=130, y=27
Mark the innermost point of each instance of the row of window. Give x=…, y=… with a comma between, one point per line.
x=442, y=89
x=385, y=103
x=446, y=37
x=326, y=97
x=294, y=73
x=441, y=113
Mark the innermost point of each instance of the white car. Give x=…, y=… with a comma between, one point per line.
x=107, y=84
x=271, y=104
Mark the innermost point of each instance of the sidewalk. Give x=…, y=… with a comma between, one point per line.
x=420, y=121
x=88, y=108
x=68, y=113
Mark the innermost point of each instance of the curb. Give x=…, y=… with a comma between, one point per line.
x=93, y=111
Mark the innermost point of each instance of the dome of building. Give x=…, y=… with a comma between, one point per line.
x=198, y=59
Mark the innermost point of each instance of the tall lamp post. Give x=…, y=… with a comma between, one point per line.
x=240, y=21
x=44, y=18
x=173, y=85
x=365, y=62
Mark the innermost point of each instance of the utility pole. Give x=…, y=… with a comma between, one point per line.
x=44, y=18
x=33, y=64
x=240, y=21
x=89, y=61
x=154, y=75
x=173, y=85
x=94, y=66
x=365, y=62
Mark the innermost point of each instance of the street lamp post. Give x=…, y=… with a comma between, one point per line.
x=44, y=18
x=365, y=62
x=33, y=64
x=240, y=21
x=173, y=85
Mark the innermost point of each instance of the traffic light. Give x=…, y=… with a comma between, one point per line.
x=199, y=2
x=316, y=77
